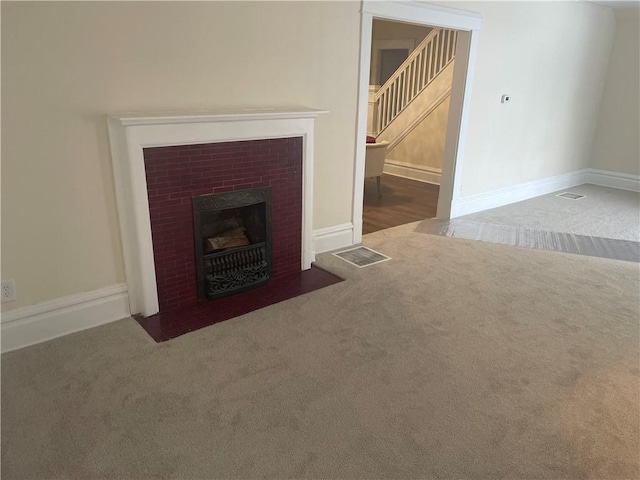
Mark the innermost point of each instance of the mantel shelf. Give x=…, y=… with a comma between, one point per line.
x=172, y=118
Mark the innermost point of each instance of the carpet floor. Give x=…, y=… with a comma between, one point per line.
x=455, y=359
x=603, y=212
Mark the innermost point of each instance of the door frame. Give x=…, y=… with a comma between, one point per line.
x=468, y=25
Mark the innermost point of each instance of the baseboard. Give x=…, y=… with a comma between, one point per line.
x=605, y=178
x=332, y=238
x=44, y=321
x=413, y=172
x=517, y=193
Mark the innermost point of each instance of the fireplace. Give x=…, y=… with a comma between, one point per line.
x=211, y=154
x=215, y=205
x=233, y=242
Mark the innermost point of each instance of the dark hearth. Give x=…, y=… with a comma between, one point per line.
x=232, y=233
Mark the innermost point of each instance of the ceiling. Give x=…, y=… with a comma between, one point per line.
x=616, y=4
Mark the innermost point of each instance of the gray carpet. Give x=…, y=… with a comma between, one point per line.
x=455, y=359
x=603, y=212
x=613, y=248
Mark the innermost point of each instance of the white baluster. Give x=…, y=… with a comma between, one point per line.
x=416, y=72
x=439, y=53
x=447, y=45
x=414, y=78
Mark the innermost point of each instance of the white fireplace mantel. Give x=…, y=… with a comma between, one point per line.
x=130, y=133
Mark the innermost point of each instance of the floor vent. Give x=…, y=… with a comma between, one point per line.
x=570, y=196
x=361, y=256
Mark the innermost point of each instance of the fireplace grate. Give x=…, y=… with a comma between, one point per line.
x=232, y=233
x=236, y=270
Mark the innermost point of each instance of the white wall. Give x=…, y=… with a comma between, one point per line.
x=551, y=58
x=616, y=146
x=66, y=65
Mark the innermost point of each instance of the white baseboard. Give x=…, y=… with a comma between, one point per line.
x=413, y=172
x=332, y=238
x=47, y=320
x=605, y=178
x=517, y=193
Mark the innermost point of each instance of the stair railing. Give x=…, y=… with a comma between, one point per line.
x=428, y=59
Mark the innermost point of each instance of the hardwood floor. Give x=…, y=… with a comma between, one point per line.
x=403, y=201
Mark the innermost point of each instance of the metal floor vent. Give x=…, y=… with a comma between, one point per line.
x=361, y=256
x=570, y=196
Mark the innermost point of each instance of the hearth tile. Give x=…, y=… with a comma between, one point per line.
x=174, y=323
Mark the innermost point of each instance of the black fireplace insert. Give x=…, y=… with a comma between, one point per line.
x=232, y=233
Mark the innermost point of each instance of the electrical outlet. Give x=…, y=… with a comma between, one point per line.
x=8, y=291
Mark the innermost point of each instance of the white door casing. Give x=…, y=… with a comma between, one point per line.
x=468, y=25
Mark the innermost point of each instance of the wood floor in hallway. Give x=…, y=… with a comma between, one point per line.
x=402, y=201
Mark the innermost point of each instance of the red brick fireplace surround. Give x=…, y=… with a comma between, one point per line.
x=175, y=174
x=162, y=162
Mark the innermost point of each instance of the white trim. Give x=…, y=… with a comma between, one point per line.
x=434, y=16
x=235, y=115
x=366, y=29
x=332, y=238
x=129, y=134
x=423, y=13
x=606, y=178
x=412, y=171
x=517, y=193
x=44, y=321
x=457, y=122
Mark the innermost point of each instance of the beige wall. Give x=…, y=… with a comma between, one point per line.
x=424, y=146
x=551, y=58
x=616, y=146
x=388, y=30
x=66, y=65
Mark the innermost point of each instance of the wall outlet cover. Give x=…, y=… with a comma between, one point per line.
x=8, y=291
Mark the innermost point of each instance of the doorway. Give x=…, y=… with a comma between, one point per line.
x=416, y=13
x=409, y=94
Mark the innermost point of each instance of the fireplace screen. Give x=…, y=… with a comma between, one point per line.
x=232, y=233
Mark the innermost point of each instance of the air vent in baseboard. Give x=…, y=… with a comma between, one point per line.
x=570, y=196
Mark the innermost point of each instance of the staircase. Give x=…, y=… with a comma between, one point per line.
x=417, y=87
